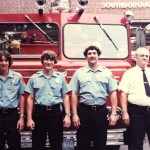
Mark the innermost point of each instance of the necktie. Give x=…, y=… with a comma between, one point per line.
x=146, y=84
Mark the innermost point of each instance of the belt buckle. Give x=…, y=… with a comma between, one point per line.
x=5, y=111
x=148, y=108
x=48, y=108
x=94, y=108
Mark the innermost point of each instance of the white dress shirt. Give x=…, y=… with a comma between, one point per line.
x=132, y=84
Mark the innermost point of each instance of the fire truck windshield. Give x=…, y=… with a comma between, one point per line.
x=78, y=36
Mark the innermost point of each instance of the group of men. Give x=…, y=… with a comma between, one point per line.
x=49, y=108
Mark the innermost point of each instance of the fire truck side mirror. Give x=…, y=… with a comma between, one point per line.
x=82, y=3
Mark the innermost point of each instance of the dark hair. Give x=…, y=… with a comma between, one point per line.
x=48, y=54
x=92, y=47
x=7, y=55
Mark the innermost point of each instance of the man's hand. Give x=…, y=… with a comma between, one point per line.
x=30, y=124
x=67, y=121
x=113, y=119
x=20, y=124
x=126, y=118
x=76, y=120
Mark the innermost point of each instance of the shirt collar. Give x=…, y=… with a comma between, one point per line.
x=141, y=68
x=100, y=69
x=10, y=75
x=42, y=74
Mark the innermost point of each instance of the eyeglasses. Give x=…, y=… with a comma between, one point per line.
x=142, y=55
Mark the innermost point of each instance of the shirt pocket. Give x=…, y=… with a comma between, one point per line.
x=13, y=85
x=137, y=86
x=102, y=80
x=102, y=84
x=38, y=88
x=56, y=88
x=85, y=85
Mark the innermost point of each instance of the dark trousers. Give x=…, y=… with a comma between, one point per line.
x=8, y=130
x=139, y=125
x=93, y=128
x=48, y=122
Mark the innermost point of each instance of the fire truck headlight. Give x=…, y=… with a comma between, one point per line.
x=129, y=15
x=40, y=4
x=82, y=3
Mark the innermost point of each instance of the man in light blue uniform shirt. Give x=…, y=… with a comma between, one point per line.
x=47, y=90
x=91, y=85
x=11, y=97
x=48, y=95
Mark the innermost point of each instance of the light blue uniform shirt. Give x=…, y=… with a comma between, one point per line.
x=93, y=86
x=10, y=89
x=48, y=91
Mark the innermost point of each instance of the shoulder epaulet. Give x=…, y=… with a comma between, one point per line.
x=59, y=73
x=106, y=70
x=103, y=67
x=35, y=74
x=38, y=72
x=82, y=68
x=15, y=73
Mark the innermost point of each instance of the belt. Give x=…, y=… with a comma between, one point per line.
x=92, y=107
x=47, y=108
x=140, y=107
x=7, y=110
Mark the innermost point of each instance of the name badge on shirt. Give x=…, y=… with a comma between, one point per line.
x=57, y=81
x=12, y=82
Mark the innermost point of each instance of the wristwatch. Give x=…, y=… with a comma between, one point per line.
x=114, y=114
x=22, y=115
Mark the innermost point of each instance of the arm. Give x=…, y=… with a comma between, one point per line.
x=114, y=102
x=67, y=120
x=30, y=105
x=20, y=123
x=74, y=106
x=124, y=104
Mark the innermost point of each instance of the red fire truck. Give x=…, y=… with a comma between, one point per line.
x=68, y=32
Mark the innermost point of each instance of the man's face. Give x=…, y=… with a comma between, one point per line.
x=4, y=63
x=48, y=64
x=142, y=58
x=92, y=57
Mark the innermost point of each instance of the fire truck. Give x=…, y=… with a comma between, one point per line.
x=68, y=32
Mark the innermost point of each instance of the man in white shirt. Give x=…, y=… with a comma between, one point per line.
x=135, y=101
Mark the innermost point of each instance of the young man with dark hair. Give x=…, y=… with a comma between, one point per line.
x=48, y=95
x=91, y=85
x=11, y=98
